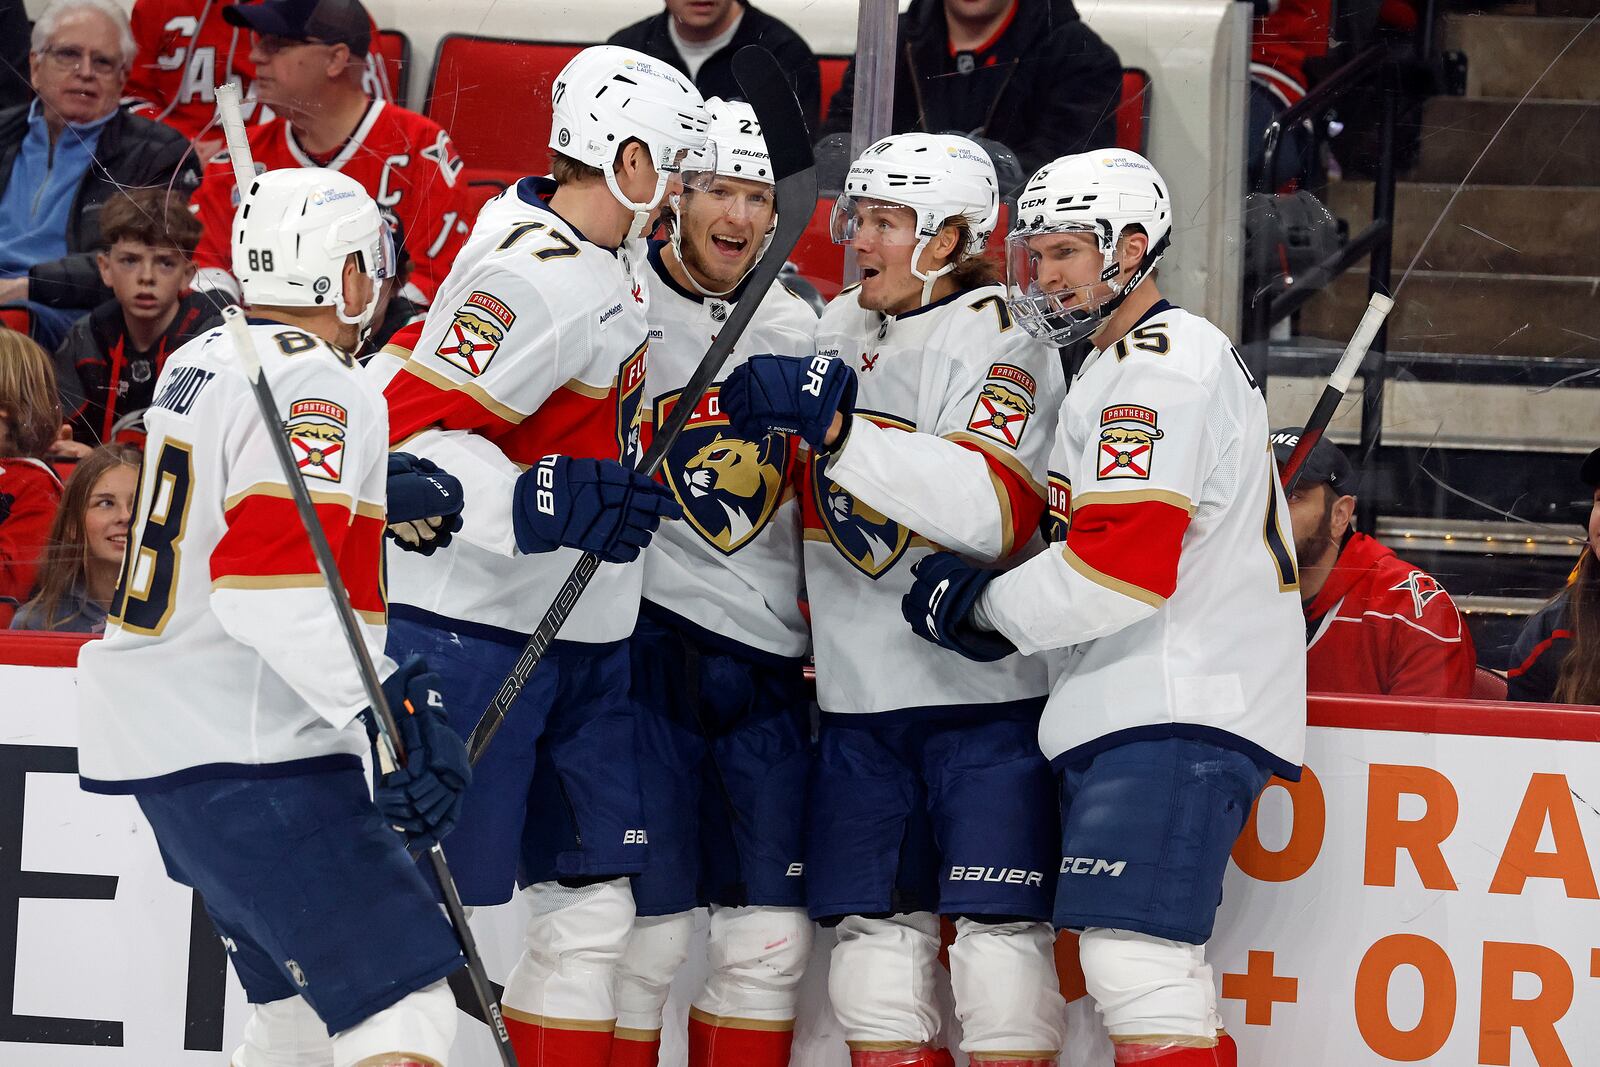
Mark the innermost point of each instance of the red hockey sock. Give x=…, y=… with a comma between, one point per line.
x=901, y=1057
x=720, y=1041
x=1224, y=1054
x=636, y=1048
x=543, y=1042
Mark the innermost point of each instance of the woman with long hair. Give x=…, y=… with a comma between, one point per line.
x=1557, y=655
x=84, y=555
x=30, y=422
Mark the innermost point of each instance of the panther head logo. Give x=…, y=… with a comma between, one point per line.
x=729, y=487
x=862, y=534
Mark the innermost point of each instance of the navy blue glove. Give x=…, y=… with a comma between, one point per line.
x=424, y=508
x=792, y=394
x=422, y=798
x=940, y=600
x=596, y=505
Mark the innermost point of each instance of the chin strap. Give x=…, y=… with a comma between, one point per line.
x=641, y=211
x=931, y=277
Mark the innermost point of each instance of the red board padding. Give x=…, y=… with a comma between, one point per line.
x=1484, y=718
x=26, y=648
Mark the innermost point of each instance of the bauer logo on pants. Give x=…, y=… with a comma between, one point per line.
x=475, y=334
x=316, y=431
x=1128, y=437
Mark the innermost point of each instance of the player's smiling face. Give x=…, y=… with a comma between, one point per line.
x=723, y=227
x=885, y=237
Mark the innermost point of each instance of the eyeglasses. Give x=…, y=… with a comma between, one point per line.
x=270, y=44
x=69, y=58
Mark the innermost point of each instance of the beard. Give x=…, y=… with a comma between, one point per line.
x=718, y=277
x=1313, y=549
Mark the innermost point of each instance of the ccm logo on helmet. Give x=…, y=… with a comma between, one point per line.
x=1006, y=875
x=1089, y=865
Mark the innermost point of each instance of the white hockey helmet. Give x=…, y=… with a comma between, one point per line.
x=608, y=95
x=739, y=151
x=292, y=234
x=1101, y=193
x=936, y=175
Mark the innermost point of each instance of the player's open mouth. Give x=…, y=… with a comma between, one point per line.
x=729, y=246
x=868, y=272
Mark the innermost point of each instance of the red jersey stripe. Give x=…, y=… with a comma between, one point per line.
x=1136, y=542
x=1021, y=506
x=265, y=546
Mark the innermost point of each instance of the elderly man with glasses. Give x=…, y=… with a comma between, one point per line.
x=65, y=154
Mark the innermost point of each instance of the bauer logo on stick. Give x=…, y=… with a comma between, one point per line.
x=475, y=335
x=316, y=431
x=1128, y=437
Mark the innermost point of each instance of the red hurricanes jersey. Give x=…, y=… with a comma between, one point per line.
x=186, y=50
x=1282, y=42
x=407, y=162
x=1383, y=626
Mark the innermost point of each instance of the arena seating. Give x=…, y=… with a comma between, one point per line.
x=395, y=48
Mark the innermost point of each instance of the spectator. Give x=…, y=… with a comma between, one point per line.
x=1026, y=73
x=1374, y=623
x=186, y=49
x=1284, y=35
x=87, y=540
x=308, y=60
x=1557, y=655
x=108, y=364
x=30, y=420
x=699, y=37
x=64, y=155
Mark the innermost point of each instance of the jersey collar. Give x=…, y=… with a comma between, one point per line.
x=1158, y=308
x=941, y=302
x=536, y=193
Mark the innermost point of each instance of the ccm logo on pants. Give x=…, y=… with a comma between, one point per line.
x=1088, y=865
x=1007, y=875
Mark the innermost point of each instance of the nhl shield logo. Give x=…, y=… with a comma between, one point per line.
x=729, y=487
x=475, y=334
x=864, y=536
x=316, y=431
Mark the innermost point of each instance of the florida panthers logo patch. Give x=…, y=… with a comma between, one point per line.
x=476, y=332
x=1128, y=437
x=1004, y=405
x=863, y=535
x=630, y=390
x=729, y=487
x=316, y=430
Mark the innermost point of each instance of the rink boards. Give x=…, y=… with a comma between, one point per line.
x=1426, y=894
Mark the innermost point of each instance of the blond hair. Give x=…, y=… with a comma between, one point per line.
x=28, y=400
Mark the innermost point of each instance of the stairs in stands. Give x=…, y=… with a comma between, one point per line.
x=1495, y=339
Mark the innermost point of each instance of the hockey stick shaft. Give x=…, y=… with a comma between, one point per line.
x=389, y=749
x=1333, y=393
x=795, y=191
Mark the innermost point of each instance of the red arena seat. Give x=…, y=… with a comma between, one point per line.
x=1133, y=114
x=395, y=48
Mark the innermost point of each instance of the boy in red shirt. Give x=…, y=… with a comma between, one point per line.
x=1375, y=624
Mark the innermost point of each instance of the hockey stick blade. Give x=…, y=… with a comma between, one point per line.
x=783, y=127
x=1355, y=352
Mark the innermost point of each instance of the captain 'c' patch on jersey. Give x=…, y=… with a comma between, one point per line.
x=1128, y=437
x=729, y=487
x=866, y=537
x=316, y=431
x=1004, y=405
x=476, y=332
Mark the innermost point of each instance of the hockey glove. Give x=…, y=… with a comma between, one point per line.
x=423, y=797
x=596, y=505
x=424, y=508
x=939, y=605
x=792, y=394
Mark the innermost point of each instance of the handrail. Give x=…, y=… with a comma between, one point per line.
x=1315, y=102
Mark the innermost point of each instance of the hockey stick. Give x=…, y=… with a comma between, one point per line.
x=1332, y=393
x=795, y=190
x=389, y=750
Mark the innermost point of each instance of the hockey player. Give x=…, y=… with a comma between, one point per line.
x=525, y=383
x=1169, y=604
x=225, y=697
x=724, y=732
x=307, y=59
x=929, y=415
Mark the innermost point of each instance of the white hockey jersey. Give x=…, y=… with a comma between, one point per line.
x=1176, y=587
x=223, y=656
x=732, y=566
x=534, y=346
x=947, y=449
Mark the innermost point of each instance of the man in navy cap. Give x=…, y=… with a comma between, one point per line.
x=1374, y=623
